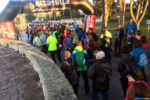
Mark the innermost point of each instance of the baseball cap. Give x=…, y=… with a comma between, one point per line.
x=100, y=54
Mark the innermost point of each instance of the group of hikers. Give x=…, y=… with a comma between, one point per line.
x=89, y=55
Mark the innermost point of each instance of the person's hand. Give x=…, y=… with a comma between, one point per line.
x=67, y=64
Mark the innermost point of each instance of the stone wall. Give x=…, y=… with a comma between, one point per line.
x=55, y=85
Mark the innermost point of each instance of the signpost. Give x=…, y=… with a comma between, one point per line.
x=148, y=24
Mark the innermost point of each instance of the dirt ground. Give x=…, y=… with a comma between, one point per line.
x=18, y=80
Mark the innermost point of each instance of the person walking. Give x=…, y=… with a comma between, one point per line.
x=138, y=89
x=81, y=61
x=100, y=72
x=131, y=26
x=139, y=54
x=52, y=47
x=118, y=40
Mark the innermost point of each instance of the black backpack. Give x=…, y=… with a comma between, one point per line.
x=103, y=80
x=126, y=65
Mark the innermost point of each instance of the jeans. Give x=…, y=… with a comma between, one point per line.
x=103, y=93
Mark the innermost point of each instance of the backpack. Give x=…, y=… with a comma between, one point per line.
x=142, y=60
x=59, y=46
x=69, y=42
x=80, y=59
x=126, y=65
x=105, y=76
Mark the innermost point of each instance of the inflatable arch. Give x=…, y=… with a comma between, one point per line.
x=12, y=7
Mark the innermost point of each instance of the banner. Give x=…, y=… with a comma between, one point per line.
x=35, y=6
x=7, y=30
x=90, y=23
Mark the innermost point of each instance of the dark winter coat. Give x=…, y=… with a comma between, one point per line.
x=100, y=72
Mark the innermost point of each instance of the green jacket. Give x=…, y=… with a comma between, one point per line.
x=52, y=41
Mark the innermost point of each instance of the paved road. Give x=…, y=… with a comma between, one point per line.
x=17, y=77
x=115, y=92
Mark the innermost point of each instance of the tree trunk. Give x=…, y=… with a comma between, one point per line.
x=105, y=16
x=121, y=9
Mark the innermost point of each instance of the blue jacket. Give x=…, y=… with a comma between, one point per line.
x=136, y=54
x=82, y=35
x=129, y=27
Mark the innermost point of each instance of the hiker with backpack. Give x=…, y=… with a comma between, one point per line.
x=130, y=39
x=68, y=42
x=82, y=37
x=93, y=34
x=125, y=64
x=91, y=50
x=43, y=39
x=140, y=56
x=106, y=44
x=138, y=89
x=100, y=72
x=131, y=26
x=70, y=72
x=81, y=62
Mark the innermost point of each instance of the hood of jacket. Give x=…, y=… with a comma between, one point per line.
x=79, y=48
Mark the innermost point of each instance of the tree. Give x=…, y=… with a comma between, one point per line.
x=105, y=15
x=30, y=17
x=98, y=7
x=121, y=8
x=141, y=11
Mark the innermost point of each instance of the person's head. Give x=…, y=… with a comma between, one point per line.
x=139, y=32
x=100, y=55
x=143, y=39
x=131, y=20
x=92, y=43
x=119, y=26
x=137, y=44
x=135, y=75
x=79, y=43
x=50, y=33
x=126, y=50
x=67, y=54
x=90, y=30
x=106, y=28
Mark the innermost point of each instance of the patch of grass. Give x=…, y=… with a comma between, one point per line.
x=112, y=26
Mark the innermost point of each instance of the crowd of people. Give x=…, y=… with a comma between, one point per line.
x=89, y=55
